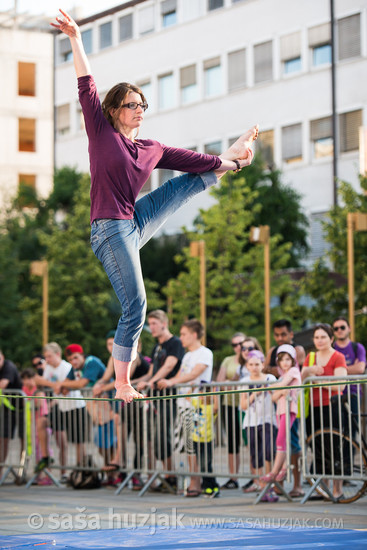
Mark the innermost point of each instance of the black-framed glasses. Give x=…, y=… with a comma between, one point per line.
x=133, y=106
x=248, y=348
x=234, y=345
x=340, y=327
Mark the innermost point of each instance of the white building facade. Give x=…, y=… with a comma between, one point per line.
x=26, y=110
x=210, y=69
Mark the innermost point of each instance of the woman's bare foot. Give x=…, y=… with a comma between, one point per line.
x=126, y=393
x=240, y=148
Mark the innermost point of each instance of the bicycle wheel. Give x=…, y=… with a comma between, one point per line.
x=330, y=452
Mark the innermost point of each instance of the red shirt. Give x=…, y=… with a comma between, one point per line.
x=336, y=360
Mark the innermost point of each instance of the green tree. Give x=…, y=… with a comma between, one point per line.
x=330, y=293
x=235, y=275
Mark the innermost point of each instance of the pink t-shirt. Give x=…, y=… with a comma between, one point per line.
x=291, y=377
x=41, y=406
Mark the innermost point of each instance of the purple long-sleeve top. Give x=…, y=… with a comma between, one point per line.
x=119, y=167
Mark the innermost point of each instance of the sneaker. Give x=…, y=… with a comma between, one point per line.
x=231, y=484
x=64, y=479
x=270, y=496
x=172, y=482
x=211, y=493
x=45, y=462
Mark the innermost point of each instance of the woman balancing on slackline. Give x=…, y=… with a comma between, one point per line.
x=120, y=164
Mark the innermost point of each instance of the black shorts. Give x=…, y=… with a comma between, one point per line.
x=10, y=419
x=57, y=421
x=76, y=424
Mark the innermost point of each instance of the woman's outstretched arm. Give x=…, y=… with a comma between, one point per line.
x=67, y=25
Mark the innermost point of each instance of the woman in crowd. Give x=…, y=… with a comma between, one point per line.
x=328, y=362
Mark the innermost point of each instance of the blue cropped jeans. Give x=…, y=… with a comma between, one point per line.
x=116, y=243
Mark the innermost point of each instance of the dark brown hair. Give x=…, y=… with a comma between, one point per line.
x=114, y=99
x=194, y=326
x=325, y=327
x=256, y=344
x=283, y=354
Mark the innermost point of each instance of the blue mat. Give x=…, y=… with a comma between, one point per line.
x=223, y=538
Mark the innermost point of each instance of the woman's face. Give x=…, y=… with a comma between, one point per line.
x=129, y=119
x=247, y=346
x=322, y=340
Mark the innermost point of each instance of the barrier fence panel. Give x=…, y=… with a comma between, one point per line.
x=174, y=437
x=334, y=450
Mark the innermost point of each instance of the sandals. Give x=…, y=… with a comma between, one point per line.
x=231, y=484
x=110, y=467
x=296, y=493
x=268, y=478
x=253, y=488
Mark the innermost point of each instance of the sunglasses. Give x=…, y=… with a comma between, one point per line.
x=340, y=327
x=249, y=348
x=37, y=364
x=236, y=344
x=133, y=106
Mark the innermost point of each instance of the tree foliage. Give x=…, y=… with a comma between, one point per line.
x=234, y=268
x=330, y=294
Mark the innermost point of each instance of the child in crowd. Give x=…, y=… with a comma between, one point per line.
x=205, y=415
x=290, y=376
x=43, y=431
x=259, y=420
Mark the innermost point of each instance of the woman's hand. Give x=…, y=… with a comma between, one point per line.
x=67, y=25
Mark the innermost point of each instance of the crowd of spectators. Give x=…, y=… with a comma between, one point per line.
x=176, y=365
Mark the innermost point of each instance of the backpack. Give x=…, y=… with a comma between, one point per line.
x=86, y=479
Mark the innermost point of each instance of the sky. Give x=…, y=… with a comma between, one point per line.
x=51, y=7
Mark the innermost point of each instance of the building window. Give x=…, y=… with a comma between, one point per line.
x=263, y=58
x=26, y=79
x=87, y=38
x=146, y=88
x=27, y=196
x=349, y=124
x=65, y=52
x=319, y=245
x=126, y=27
x=291, y=66
x=292, y=143
x=290, y=53
x=319, y=41
x=164, y=175
x=27, y=179
x=191, y=9
x=213, y=77
x=27, y=134
x=237, y=69
x=215, y=4
x=63, y=119
x=166, y=90
x=213, y=148
x=349, y=37
x=169, y=13
x=321, y=55
x=80, y=119
x=265, y=147
x=188, y=84
x=146, y=20
x=321, y=132
x=105, y=35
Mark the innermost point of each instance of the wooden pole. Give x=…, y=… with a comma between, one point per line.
x=350, y=246
x=45, y=303
x=267, y=285
x=202, y=289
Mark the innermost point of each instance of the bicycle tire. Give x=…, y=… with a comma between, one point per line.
x=353, y=489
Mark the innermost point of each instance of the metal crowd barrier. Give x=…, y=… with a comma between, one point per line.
x=169, y=440
x=334, y=450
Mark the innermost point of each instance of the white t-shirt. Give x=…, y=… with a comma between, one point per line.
x=59, y=374
x=202, y=356
x=262, y=410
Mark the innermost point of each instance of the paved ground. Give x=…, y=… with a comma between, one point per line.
x=48, y=509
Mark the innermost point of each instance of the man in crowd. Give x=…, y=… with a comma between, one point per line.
x=86, y=369
x=355, y=357
x=196, y=369
x=67, y=416
x=166, y=361
x=283, y=334
x=10, y=408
